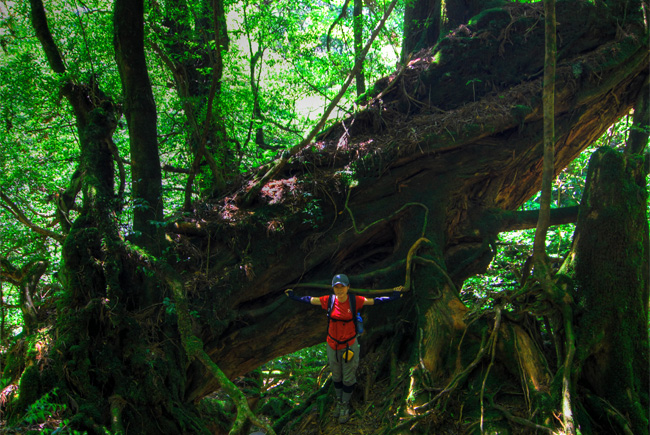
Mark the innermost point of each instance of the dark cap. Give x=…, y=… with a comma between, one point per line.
x=341, y=279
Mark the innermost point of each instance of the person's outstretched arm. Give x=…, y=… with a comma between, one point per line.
x=383, y=299
x=304, y=299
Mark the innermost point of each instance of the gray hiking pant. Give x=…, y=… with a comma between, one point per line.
x=345, y=371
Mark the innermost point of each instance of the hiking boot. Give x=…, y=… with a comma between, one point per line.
x=344, y=416
x=338, y=408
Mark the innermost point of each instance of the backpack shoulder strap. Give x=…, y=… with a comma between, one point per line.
x=330, y=305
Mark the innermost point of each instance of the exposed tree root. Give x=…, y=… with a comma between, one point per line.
x=567, y=412
x=492, y=346
x=407, y=280
x=519, y=420
x=296, y=412
x=195, y=350
x=488, y=344
x=194, y=347
x=613, y=413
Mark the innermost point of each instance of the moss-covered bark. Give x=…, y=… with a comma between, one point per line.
x=610, y=264
x=446, y=141
x=141, y=116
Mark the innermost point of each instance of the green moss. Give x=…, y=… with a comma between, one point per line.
x=30, y=386
x=30, y=390
x=494, y=17
x=611, y=275
x=519, y=112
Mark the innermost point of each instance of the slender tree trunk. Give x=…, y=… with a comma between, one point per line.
x=548, y=173
x=39, y=22
x=200, y=94
x=358, y=44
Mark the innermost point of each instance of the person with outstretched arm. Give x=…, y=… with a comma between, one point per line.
x=342, y=345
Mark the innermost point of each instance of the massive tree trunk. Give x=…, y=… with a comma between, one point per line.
x=422, y=19
x=418, y=163
x=609, y=261
x=430, y=172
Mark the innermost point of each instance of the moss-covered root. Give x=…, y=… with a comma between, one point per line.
x=194, y=349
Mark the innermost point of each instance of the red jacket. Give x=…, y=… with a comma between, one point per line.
x=341, y=330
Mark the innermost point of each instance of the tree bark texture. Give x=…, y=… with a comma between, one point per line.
x=140, y=113
x=609, y=261
x=432, y=169
x=441, y=171
x=421, y=26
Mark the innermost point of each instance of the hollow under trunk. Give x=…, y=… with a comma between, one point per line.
x=432, y=156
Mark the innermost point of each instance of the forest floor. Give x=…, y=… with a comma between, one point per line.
x=295, y=388
x=294, y=380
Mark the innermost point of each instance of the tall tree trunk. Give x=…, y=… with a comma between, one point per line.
x=609, y=261
x=548, y=172
x=141, y=117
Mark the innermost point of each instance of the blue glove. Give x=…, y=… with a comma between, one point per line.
x=303, y=299
x=383, y=299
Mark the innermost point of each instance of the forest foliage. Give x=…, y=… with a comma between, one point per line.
x=283, y=62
